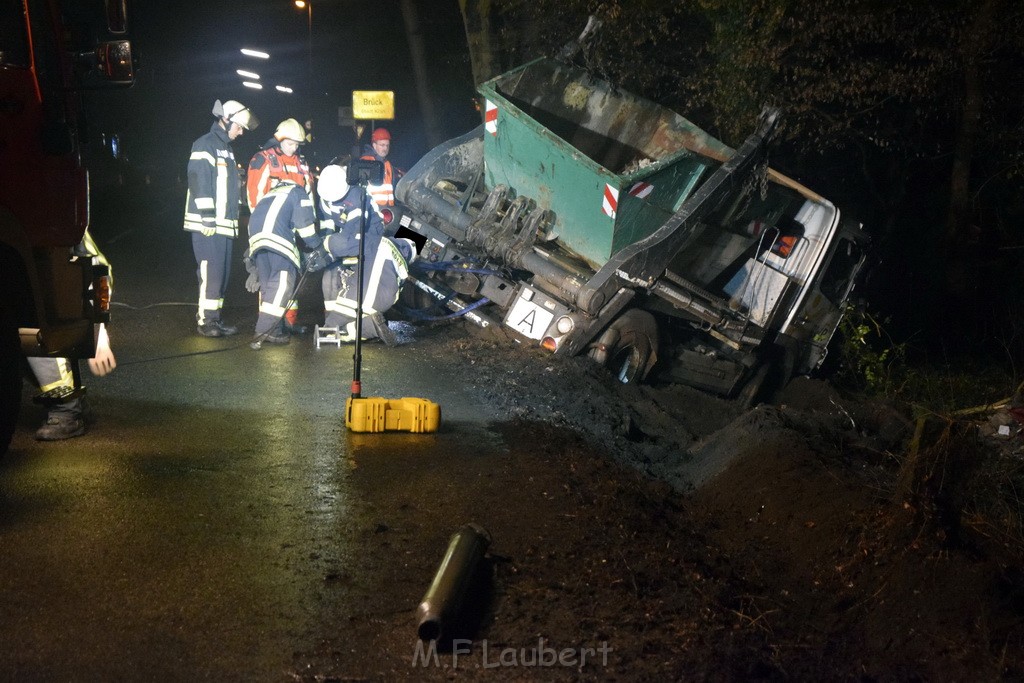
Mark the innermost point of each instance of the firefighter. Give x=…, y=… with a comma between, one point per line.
x=65, y=415
x=211, y=210
x=284, y=215
x=386, y=262
x=378, y=150
x=280, y=159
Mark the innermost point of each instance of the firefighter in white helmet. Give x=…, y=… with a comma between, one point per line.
x=386, y=264
x=211, y=210
x=279, y=160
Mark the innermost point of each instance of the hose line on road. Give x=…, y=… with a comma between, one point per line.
x=176, y=355
x=182, y=355
x=161, y=303
x=255, y=343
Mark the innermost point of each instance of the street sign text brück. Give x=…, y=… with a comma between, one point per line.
x=373, y=104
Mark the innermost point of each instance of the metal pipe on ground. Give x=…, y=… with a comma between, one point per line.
x=444, y=598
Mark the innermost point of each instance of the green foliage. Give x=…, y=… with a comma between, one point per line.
x=870, y=360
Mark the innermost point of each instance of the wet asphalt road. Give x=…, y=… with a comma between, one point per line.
x=209, y=525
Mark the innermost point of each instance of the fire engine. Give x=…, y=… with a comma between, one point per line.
x=51, y=301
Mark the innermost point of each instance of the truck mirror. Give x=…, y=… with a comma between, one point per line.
x=117, y=16
x=114, y=59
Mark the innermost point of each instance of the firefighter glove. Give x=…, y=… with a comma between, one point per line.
x=103, y=362
x=209, y=225
x=252, y=283
x=318, y=259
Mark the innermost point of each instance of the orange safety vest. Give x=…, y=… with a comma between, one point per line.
x=383, y=194
x=269, y=164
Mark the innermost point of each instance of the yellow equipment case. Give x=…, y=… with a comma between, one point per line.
x=375, y=414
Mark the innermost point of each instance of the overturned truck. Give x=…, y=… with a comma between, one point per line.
x=587, y=220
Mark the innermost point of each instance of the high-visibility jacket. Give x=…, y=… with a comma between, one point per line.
x=272, y=163
x=213, y=185
x=284, y=214
x=343, y=219
x=383, y=194
x=387, y=267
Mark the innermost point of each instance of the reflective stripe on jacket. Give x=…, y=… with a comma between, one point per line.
x=346, y=216
x=385, y=270
x=213, y=185
x=284, y=214
x=383, y=194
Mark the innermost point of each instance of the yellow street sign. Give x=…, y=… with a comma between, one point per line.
x=373, y=104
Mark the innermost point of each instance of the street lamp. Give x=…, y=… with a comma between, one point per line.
x=308, y=6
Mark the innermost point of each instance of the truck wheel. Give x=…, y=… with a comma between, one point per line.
x=753, y=392
x=635, y=347
x=770, y=378
x=415, y=299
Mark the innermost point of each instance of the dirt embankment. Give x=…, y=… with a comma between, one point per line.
x=789, y=541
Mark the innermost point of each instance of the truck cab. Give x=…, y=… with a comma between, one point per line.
x=53, y=299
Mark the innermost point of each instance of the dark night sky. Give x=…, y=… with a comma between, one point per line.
x=189, y=52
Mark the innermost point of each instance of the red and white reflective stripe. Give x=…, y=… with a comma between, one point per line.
x=610, y=204
x=641, y=189
x=491, y=118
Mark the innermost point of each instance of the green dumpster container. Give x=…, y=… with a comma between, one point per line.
x=611, y=166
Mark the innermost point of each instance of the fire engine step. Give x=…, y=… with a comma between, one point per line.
x=61, y=394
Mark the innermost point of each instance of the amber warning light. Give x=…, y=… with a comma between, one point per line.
x=101, y=293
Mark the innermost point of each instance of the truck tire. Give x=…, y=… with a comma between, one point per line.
x=770, y=377
x=415, y=299
x=635, y=347
x=754, y=391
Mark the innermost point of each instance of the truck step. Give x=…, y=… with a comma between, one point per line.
x=61, y=394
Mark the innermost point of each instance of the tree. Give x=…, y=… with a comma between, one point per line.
x=907, y=113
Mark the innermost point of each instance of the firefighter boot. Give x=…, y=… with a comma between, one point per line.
x=384, y=333
x=64, y=421
x=291, y=323
x=225, y=329
x=209, y=330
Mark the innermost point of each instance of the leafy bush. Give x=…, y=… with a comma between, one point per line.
x=869, y=359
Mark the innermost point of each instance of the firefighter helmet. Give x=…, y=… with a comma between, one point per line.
x=406, y=247
x=236, y=112
x=290, y=129
x=333, y=183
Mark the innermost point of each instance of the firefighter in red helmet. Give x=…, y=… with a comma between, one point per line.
x=378, y=150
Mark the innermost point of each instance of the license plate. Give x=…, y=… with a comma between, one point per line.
x=529, y=319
